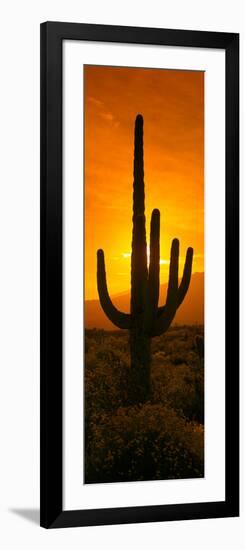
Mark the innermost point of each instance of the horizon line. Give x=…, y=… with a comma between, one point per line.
x=123, y=292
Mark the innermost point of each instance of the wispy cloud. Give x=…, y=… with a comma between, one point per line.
x=107, y=116
x=95, y=101
x=103, y=112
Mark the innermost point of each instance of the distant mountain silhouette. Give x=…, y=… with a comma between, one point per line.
x=191, y=312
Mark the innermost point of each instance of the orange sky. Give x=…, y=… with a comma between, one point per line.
x=172, y=104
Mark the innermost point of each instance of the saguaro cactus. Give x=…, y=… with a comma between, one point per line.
x=145, y=319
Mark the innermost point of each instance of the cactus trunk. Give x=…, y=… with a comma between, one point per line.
x=145, y=319
x=139, y=340
x=140, y=375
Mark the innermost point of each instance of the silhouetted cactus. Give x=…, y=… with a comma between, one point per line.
x=145, y=319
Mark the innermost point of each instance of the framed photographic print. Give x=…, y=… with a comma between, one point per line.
x=139, y=274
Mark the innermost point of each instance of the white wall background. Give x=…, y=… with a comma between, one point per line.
x=19, y=272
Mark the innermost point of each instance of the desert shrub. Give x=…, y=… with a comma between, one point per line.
x=106, y=377
x=142, y=443
x=162, y=439
x=178, y=359
x=180, y=387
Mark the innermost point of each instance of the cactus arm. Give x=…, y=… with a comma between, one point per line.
x=184, y=285
x=154, y=266
x=172, y=293
x=154, y=271
x=120, y=319
x=165, y=314
x=164, y=317
x=185, y=282
x=162, y=322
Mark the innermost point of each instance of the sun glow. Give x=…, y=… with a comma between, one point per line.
x=127, y=255
x=173, y=166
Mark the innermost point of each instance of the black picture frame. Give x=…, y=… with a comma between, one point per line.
x=52, y=35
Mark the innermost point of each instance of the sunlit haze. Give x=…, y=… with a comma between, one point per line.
x=172, y=104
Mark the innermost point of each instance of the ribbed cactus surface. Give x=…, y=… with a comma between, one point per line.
x=146, y=319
